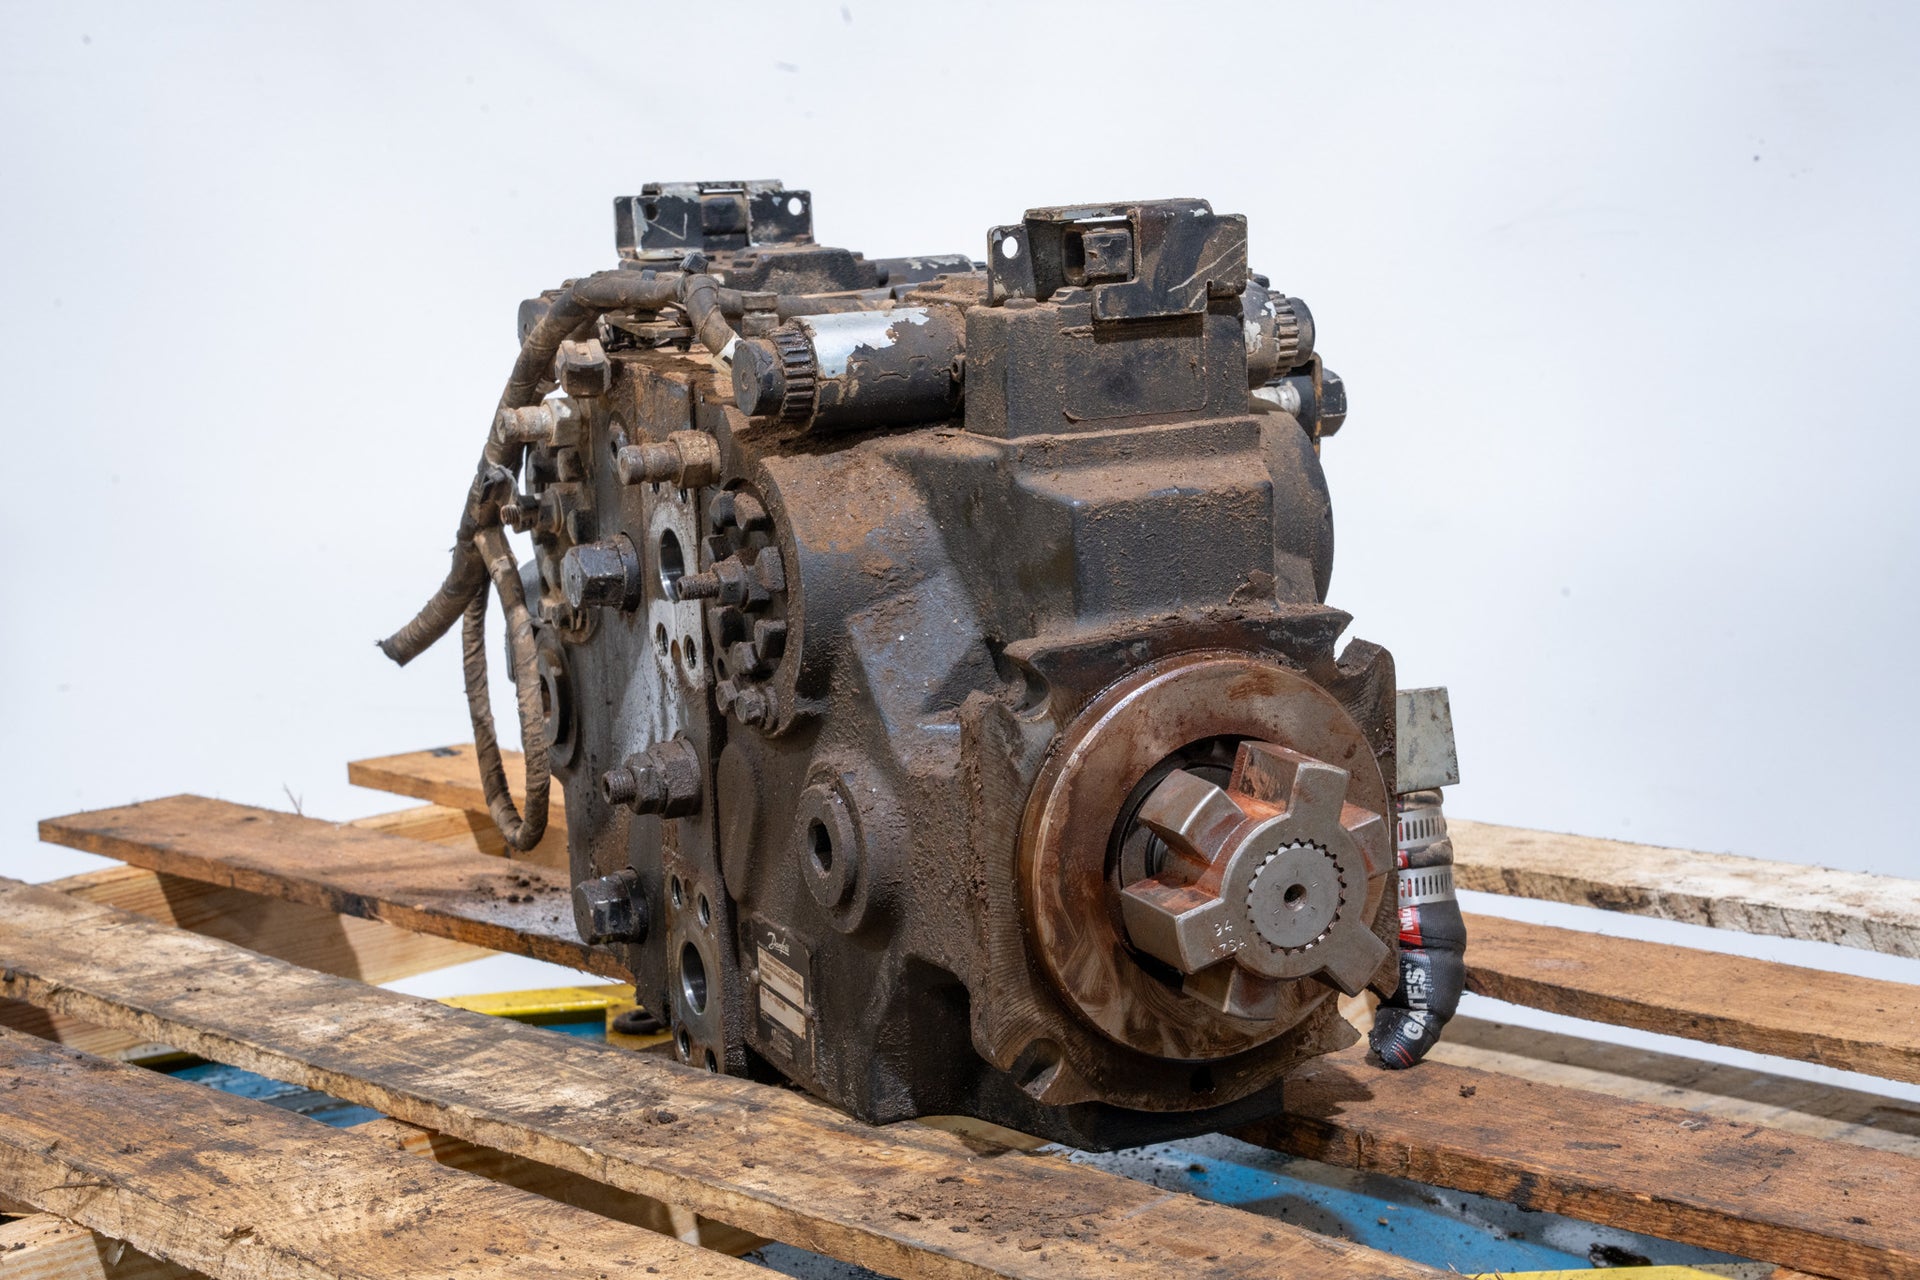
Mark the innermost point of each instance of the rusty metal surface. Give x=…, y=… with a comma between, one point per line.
x=867, y=595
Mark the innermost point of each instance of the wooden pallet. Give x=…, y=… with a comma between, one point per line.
x=251, y=937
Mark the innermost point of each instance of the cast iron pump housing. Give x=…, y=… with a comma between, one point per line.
x=935, y=659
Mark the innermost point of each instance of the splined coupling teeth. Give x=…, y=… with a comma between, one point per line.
x=1264, y=881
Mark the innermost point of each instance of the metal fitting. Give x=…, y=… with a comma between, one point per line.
x=734, y=581
x=605, y=574
x=665, y=779
x=553, y=421
x=685, y=459
x=582, y=368
x=612, y=908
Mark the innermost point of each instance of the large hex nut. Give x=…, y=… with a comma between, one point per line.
x=612, y=908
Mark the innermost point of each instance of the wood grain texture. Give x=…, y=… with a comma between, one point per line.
x=1751, y=895
x=1827, y=1207
x=244, y=1191
x=906, y=1201
x=446, y=776
x=1836, y=1019
x=500, y=904
x=1723, y=891
x=1670, y=1080
x=558, y=1184
x=307, y=936
x=45, y=1247
x=467, y=829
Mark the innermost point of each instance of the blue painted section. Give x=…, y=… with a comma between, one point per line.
x=1445, y=1229
x=323, y=1107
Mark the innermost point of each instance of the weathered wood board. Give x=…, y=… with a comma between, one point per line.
x=497, y=903
x=1721, y=890
x=1836, y=1019
x=1831, y=1208
x=907, y=1200
x=1863, y=1024
x=1751, y=895
x=241, y=1190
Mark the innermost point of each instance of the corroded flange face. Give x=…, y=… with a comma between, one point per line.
x=1070, y=889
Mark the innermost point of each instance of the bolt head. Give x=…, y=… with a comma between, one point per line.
x=611, y=908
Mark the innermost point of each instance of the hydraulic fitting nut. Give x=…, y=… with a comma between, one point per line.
x=612, y=908
x=686, y=460
x=665, y=779
x=605, y=574
x=582, y=368
x=553, y=421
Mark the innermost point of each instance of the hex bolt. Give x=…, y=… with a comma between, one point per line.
x=685, y=459
x=749, y=514
x=605, y=574
x=696, y=586
x=551, y=422
x=612, y=908
x=582, y=368
x=664, y=779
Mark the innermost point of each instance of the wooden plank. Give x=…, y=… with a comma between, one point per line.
x=45, y=1247
x=1879, y=913
x=307, y=936
x=467, y=829
x=446, y=776
x=472, y=898
x=1827, y=1207
x=1857, y=1023
x=909, y=1200
x=1836, y=1019
x=1670, y=1080
x=1723, y=891
x=244, y=1191
x=558, y=1184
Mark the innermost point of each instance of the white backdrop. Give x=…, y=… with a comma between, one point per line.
x=1625, y=299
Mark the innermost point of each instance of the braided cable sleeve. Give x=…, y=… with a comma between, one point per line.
x=521, y=832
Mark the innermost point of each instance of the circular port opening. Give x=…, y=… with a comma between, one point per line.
x=1009, y=247
x=820, y=847
x=795, y=206
x=673, y=561
x=693, y=977
x=1295, y=896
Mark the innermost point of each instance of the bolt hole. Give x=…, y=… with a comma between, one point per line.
x=651, y=210
x=795, y=206
x=660, y=639
x=1295, y=896
x=705, y=911
x=1009, y=247
x=673, y=562
x=820, y=847
x=677, y=892
x=693, y=978
x=1202, y=1080
x=689, y=657
x=684, y=1043
x=713, y=1063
